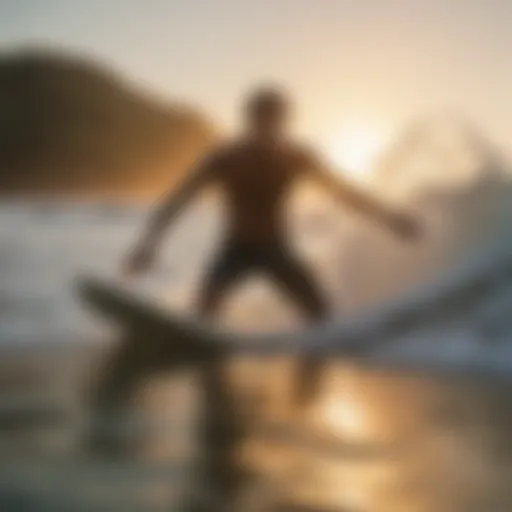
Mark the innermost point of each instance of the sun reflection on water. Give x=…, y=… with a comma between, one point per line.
x=343, y=409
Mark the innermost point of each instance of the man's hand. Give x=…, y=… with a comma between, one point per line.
x=405, y=226
x=138, y=262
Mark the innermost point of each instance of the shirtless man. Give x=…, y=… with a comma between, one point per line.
x=256, y=173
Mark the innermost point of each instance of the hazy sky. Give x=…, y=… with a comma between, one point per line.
x=382, y=61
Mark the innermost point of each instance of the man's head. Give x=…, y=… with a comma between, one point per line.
x=267, y=111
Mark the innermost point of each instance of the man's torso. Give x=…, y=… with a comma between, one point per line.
x=256, y=179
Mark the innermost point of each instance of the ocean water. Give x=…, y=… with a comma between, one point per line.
x=48, y=339
x=45, y=246
x=391, y=441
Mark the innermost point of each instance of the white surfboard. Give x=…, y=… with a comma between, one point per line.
x=452, y=324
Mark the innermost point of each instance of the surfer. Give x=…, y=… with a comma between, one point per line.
x=256, y=172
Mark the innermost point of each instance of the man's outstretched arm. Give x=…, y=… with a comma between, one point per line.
x=141, y=258
x=350, y=195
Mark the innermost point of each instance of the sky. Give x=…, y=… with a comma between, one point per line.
x=366, y=66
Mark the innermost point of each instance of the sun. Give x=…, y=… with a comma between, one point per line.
x=355, y=148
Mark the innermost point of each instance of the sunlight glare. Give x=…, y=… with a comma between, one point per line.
x=355, y=149
x=346, y=415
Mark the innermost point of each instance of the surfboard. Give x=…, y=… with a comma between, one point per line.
x=127, y=305
x=379, y=337
x=187, y=339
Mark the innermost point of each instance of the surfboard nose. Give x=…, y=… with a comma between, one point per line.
x=174, y=340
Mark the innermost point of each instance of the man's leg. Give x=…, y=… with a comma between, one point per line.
x=220, y=425
x=291, y=275
x=225, y=270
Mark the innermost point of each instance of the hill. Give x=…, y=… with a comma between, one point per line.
x=68, y=125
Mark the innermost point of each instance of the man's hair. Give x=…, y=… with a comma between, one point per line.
x=267, y=101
